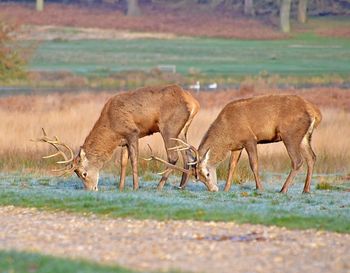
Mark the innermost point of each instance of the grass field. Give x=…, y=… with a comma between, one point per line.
x=305, y=55
x=327, y=208
x=21, y=262
x=315, y=56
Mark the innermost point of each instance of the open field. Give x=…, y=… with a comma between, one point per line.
x=143, y=225
x=66, y=55
x=129, y=61
x=308, y=56
x=50, y=224
x=327, y=208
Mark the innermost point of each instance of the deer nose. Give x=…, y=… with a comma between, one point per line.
x=214, y=188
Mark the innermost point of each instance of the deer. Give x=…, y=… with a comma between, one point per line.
x=245, y=123
x=124, y=119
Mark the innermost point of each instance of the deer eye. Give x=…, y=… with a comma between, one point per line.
x=208, y=174
x=84, y=174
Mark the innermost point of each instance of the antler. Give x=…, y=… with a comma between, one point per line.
x=185, y=146
x=152, y=157
x=55, y=142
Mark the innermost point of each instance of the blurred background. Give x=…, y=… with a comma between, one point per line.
x=61, y=60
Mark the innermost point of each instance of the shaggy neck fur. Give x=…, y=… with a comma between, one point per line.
x=214, y=141
x=100, y=145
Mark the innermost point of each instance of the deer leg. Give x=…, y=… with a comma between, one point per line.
x=172, y=159
x=235, y=156
x=183, y=136
x=293, y=148
x=123, y=163
x=310, y=159
x=253, y=161
x=133, y=144
x=185, y=176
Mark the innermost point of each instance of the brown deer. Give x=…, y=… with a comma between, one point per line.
x=243, y=124
x=124, y=119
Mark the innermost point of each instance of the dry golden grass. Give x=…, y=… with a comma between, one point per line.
x=71, y=116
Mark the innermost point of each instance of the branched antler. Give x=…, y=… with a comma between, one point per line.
x=185, y=147
x=155, y=158
x=56, y=143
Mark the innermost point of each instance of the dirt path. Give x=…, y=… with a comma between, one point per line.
x=184, y=245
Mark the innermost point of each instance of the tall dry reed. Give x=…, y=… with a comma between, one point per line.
x=71, y=116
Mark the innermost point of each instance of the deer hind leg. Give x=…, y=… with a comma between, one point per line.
x=172, y=159
x=123, y=163
x=293, y=148
x=235, y=156
x=133, y=147
x=310, y=159
x=253, y=161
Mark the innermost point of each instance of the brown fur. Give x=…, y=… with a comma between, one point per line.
x=126, y=117
x=264, y=119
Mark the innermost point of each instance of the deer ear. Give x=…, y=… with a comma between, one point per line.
x=206, y=157
x=191, y=157
x=82, y=153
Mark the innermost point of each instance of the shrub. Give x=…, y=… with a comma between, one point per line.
x=11, y=64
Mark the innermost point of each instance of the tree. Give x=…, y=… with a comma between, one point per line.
x=285, y=15
x=302, y=11
x=11, y=64
x=249, y=7
x=133, y=8
x=39, y=5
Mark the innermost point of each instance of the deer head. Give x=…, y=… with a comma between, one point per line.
x=201, y=168
x=79, y=164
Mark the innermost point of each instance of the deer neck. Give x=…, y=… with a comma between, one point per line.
x=217, y=146
x=100, y=144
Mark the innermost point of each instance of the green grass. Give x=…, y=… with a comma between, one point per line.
x=21, y=262
x=323, y=209
x=304, y=55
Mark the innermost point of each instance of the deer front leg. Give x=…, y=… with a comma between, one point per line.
x=123, y=163
x=133, y=144
x=235, y=156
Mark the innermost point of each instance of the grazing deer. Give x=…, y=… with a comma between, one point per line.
x=124, y=119
x=243, y=124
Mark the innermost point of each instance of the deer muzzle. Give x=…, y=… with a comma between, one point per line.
x=213, y=188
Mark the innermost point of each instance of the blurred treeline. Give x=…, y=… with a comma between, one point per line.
x=259, y=7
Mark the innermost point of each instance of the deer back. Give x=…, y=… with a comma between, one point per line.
x=263, y=119
x=143, y=111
